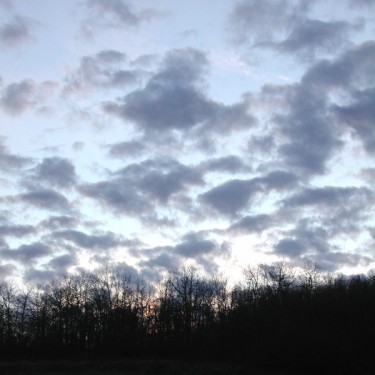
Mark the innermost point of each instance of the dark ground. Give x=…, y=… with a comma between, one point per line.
x=147, y=366
x=125, y=367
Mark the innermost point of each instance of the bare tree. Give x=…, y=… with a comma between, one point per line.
x=310, y=277
x=9, y=316
x=279, y=276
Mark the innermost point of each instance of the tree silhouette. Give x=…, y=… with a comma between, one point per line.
x=279, y=316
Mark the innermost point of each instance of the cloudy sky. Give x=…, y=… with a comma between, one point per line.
x=155, y=133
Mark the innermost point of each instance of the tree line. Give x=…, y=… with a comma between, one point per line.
x=277, y=317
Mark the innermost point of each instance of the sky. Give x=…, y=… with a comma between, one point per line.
x=152, y=134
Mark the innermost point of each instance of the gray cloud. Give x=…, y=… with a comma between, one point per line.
x=336, y=259
x=286, y=27
x=126, y=149
x=369, y=175
x=161, y=108
x=345, y=209
x=182, y=67
x=312, y=36
x=315, y=237
x=44, y=198
x=159, y=221
x=97, y=241
x=56, y=171
x=194, y=245
x=304, y=240
x=58, y=222
x=103, y=70
x=18, y=97
x=16, y=230
x=137, y=188
x=362, y=3
x=39, y=277
x=9, y=162
x=78, y=146
x=6, y=270
x=174, y=99
x=6, y=4
x=312, y=140
x=114, y=14
x=352, y=68
x=165, y=260
x=61, y=263
x=262, y=144
x=278, y=180
x=162, y=185
x=351, y=73
x=231, y=196
x=3, y=244
x=259, y=21
x=27, y=254
x=231, y=118
x=230, y=164
x=110, y=56
x=16, y=32
x=252, y=224
x=116, y=9
x=309, y=125
x=4, y=217
x=326, y=196
x=290, y=247
x=118, y=196
x=145, y=61
x=360, y=115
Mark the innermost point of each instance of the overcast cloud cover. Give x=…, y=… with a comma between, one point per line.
x=151, y=134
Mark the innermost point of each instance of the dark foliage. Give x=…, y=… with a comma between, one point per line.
x=276, y=319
